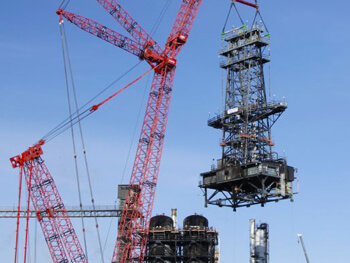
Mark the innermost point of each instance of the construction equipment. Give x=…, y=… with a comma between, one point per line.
x=51, y=213
x=135, y=219
x=300, y=236
x=134, y=223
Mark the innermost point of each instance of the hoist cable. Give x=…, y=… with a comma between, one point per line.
x=228, y=16
x=61, y=4
x=270, y=90
x=64, y=4
x=108, y=232
x=135, y=128
x=83, y=145
x=262, y=20
x=256, y=14
x=66, y=127
x=97, y=106
x=239, y=15
x=64, y=47
x=160, y=18
x=84, y=112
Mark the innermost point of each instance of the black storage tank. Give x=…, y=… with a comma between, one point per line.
x=196, y=247
x=195, y=221
x=161, y=221
x=160, y=249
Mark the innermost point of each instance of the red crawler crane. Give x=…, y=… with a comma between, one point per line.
x=134, y=222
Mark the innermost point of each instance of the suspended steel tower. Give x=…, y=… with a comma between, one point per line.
x=249, y=171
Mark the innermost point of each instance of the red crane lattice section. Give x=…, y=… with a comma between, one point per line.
x=51, y=213
x=182, y=27
x=134, y=222
x=104, y=33
x=130, y=25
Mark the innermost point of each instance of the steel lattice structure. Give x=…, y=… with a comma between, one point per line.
x=135, y=218
x=51, y=213
x=72, y=211
x=248, y=117
x=134, y=222
x=249, y=171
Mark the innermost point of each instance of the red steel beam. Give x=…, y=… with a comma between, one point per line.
x=246, y=3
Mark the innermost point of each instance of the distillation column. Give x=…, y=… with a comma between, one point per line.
x=259, y=243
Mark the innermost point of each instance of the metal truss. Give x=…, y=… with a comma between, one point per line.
x=72, y=211
x=249, y=171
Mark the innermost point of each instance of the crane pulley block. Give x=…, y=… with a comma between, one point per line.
x=171, y=62
x=177, y=40
x=152, y=57
x=28, y=155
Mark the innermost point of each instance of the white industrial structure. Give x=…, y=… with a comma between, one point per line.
x=259, y=242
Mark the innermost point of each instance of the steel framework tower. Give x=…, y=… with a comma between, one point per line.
x=249, y=171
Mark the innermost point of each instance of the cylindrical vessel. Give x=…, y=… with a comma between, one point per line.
x=261, y=244
x=158, y=246
x=194, y=251
x=195, y=221
x=161, y=221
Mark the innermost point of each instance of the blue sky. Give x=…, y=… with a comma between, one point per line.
x=309, y=48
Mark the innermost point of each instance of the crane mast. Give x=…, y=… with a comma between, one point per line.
x=135, y=218
x=50, y=210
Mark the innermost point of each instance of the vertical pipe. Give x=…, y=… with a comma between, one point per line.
x=18, y=210
x=283, y=184
x=252, y=241
x=174, y=217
